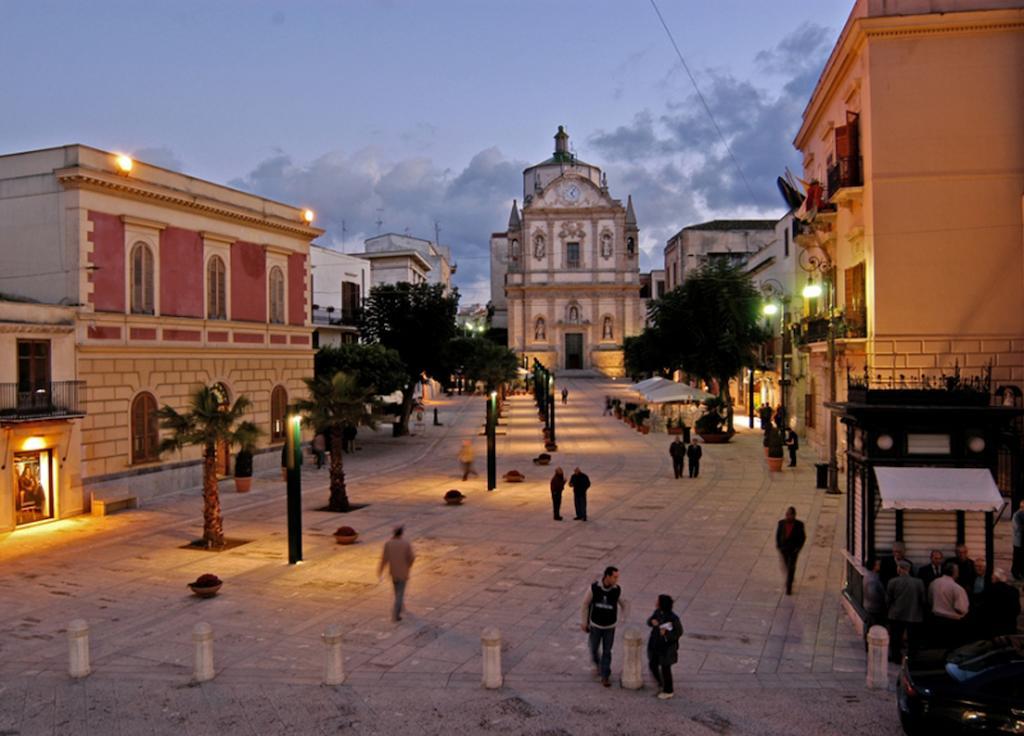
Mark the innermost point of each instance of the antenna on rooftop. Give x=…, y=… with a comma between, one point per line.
x=344, y=232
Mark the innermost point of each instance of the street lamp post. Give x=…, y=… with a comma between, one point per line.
x=551, y=408
x=772, y=289
x=492, y=421
x=812, y=262
x=294, y=493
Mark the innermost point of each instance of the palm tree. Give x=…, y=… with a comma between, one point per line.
x=206, y=424
x=336, y=402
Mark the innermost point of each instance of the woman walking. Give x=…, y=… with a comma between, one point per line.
x=663, y=644
x=557, y=486
x=466, y=459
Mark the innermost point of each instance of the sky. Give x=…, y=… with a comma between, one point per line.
x=424, y=113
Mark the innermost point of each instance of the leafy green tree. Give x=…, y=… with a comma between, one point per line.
x=714, y=321
x=335, y=402
x=483, y=360
x=647, y=353
x=417, y=321
x=371, y=364
x=207, y=423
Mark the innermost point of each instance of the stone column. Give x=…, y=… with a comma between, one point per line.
x=78, y=648
x=878, y=658
x=491, y=641
x=334, y=669
x=202, y=636
x=633, y=668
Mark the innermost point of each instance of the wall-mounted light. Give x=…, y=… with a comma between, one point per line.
x=770, y=309
x=35, y=442
x=308, y=215
x=124, y=163
x=812, y=291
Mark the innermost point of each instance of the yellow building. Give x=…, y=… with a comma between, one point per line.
x=914, y=134
x=172, y=282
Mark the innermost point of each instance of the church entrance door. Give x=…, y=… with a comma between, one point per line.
x=574, y=351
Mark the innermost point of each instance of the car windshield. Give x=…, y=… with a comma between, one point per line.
x=968, y=662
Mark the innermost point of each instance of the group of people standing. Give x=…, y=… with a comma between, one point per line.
x=945, y=603
x=681, y=451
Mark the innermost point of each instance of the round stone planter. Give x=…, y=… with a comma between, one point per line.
x=346, y=539
x=717, y=438
x=206, y=591
x=455, y=500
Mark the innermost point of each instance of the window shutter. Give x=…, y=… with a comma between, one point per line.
x=148, y=266
x=222, y=290
x=844, y=146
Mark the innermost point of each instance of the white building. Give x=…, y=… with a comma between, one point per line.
x=403, y=258
x=340, y=282
x=728, y=240
x=568, y=266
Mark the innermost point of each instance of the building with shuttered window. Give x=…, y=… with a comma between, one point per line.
x=164, y=282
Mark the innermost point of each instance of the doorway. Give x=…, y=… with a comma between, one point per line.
x=33, y=487
x=574, y=351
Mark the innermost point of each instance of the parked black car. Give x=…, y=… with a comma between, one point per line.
x=978, y=688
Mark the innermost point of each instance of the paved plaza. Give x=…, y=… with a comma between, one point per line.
x=752, y=660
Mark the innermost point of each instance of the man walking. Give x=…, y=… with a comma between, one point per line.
x=678, y=452
x=600, y=615
x=789, y=540
x=1017, y=569
x=398, y=558
x=905, y=597
x=565, y=396
x=792, y=444
x=579, y=482
x=693, y=454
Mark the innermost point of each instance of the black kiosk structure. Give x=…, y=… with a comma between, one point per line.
x=930, y=462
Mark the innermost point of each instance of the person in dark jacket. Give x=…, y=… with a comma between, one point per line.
x=557, y=486
x=905, y=596
x=693, y=454
x=678, y=452
x=765, y=415
x=663, y=644
x=1000, y=607
x=792, y=444
x=579, y=482
x=965, y=567
x=789, y=540
x=933, y=570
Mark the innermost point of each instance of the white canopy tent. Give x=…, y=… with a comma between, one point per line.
x=648, y=383
x=675, y=392
x=938, y=489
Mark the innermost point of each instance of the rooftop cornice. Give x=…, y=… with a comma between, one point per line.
x=79, y=177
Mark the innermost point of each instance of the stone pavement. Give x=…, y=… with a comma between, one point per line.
x=752, y=660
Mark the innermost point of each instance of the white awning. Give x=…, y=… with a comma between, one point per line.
x=648, y=383
x=670, y=392
x=938, y=489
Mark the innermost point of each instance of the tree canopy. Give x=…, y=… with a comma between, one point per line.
x=481, y=359
x=370, y=365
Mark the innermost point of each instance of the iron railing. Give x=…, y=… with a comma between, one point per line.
x=954, y=389
x=845, y=172
x=333, y=316
x=53, y=399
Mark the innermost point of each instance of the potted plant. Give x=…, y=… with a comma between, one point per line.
x=542, y=459
x=711, y=425
x=346, y=535
x=246, y=437
x=775, y=440
x=674, y=427
x=206, y=585
x=454, y=497
x=514, y=476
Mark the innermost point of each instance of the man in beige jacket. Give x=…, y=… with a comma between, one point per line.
x=398, y=556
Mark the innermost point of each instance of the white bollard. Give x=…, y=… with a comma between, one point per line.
x=334, y=669
x=878, y=658
x=491, y=641
x=78, y=648
x=632, y=667
x=202, y=635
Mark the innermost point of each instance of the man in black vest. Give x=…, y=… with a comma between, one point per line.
x=600, y=615
x=693, y=453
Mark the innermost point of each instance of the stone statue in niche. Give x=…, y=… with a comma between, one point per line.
x=630, y=246
x=539, y=330
x=574, y=314
x=606, y=244
x=538, y=246
x=606, y=332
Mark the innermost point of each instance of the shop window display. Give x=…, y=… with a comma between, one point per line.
x=33, y=499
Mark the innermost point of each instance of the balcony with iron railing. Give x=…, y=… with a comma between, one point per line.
x=53, y=400
x=334, y=316
x=845, y=173
x=848, y=326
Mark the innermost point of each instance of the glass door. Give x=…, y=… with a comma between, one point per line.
x=33, y=487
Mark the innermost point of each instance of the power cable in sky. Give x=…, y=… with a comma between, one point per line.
x=704, y=102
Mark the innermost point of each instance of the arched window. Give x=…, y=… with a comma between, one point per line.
x=141, y=279
x=276, y=296
x=540, y=329
x=278, y=413
x=514, y=250
x=145, y=429
x=216, y=289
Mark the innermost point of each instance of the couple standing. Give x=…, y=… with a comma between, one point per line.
x=579, y=482
x=601, y=615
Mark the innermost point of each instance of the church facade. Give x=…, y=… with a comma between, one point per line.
x=565, y=274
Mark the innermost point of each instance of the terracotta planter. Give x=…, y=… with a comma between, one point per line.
x=717, y=438
x=645, y=430
x=243, y=485
x=775, y=464
x=766, y=452
x=454, y=501
x=542, y=461
x=550, y=446
x=346, y=539
x=514, y=476
x=206, y=591
x=675, y=430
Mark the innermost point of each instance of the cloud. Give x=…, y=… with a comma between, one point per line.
x=678, y=159
x=350, y=192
